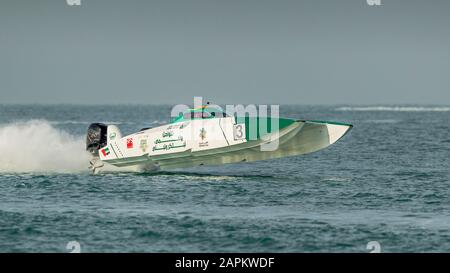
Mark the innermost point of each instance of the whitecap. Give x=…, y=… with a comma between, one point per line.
x=397, y=108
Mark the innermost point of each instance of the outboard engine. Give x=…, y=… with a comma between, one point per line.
x=96, y=137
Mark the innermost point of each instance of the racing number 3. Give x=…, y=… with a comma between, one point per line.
x=238, y=132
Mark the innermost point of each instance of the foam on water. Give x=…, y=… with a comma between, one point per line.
x=397, y=108
x=37, y=146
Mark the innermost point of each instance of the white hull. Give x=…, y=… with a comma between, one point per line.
x=300, y=137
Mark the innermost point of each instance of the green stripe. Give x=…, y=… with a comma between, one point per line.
x=260, y=123
x=327, y=122
x=114, y=150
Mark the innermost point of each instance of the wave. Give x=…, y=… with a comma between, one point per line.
x=397, y=108
x=37, y=146
x=76, y=122
x=381, y=121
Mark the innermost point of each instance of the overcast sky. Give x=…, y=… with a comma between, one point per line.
x=228, y=51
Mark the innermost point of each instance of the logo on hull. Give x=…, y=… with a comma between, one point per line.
x=129, y=143
x=143, y=145
x=203, y=137
x=203, y=134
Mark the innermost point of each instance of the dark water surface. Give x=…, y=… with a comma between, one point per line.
x=388, y=180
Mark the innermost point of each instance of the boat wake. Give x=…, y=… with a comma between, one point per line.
x=205, y=174
x=37, y=146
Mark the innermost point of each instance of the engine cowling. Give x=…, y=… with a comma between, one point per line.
x=96, y=137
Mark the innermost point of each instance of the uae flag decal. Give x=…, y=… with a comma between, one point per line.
x=129, y=143
x=105, y=151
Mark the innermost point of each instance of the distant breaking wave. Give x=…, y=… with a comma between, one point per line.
x=397, y=109
x=76, y=122
x=37, y=146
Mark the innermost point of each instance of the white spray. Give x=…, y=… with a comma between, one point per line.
x=37, y=146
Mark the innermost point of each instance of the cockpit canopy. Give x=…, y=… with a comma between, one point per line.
x=204, y=112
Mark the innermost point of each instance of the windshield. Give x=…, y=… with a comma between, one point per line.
x=203, y=112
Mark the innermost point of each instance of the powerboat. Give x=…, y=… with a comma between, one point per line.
x=208, y=136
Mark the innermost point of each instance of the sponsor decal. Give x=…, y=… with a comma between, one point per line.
x=158, y=140
x=168, y=141
x=184, y=125
x=203, y=136
x=105, y=151
x=143, y=145
x=167, y=134
x=129, y=143
x=112, y=136
x=169, y=146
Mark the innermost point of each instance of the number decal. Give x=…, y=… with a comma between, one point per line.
x=239, y=131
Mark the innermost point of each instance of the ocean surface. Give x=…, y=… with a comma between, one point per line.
x=388, y=181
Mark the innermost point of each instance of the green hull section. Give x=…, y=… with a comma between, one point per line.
x=257, y=127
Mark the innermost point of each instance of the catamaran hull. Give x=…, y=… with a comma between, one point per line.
x=294, y=137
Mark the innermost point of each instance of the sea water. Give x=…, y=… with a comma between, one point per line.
x=387, y=181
